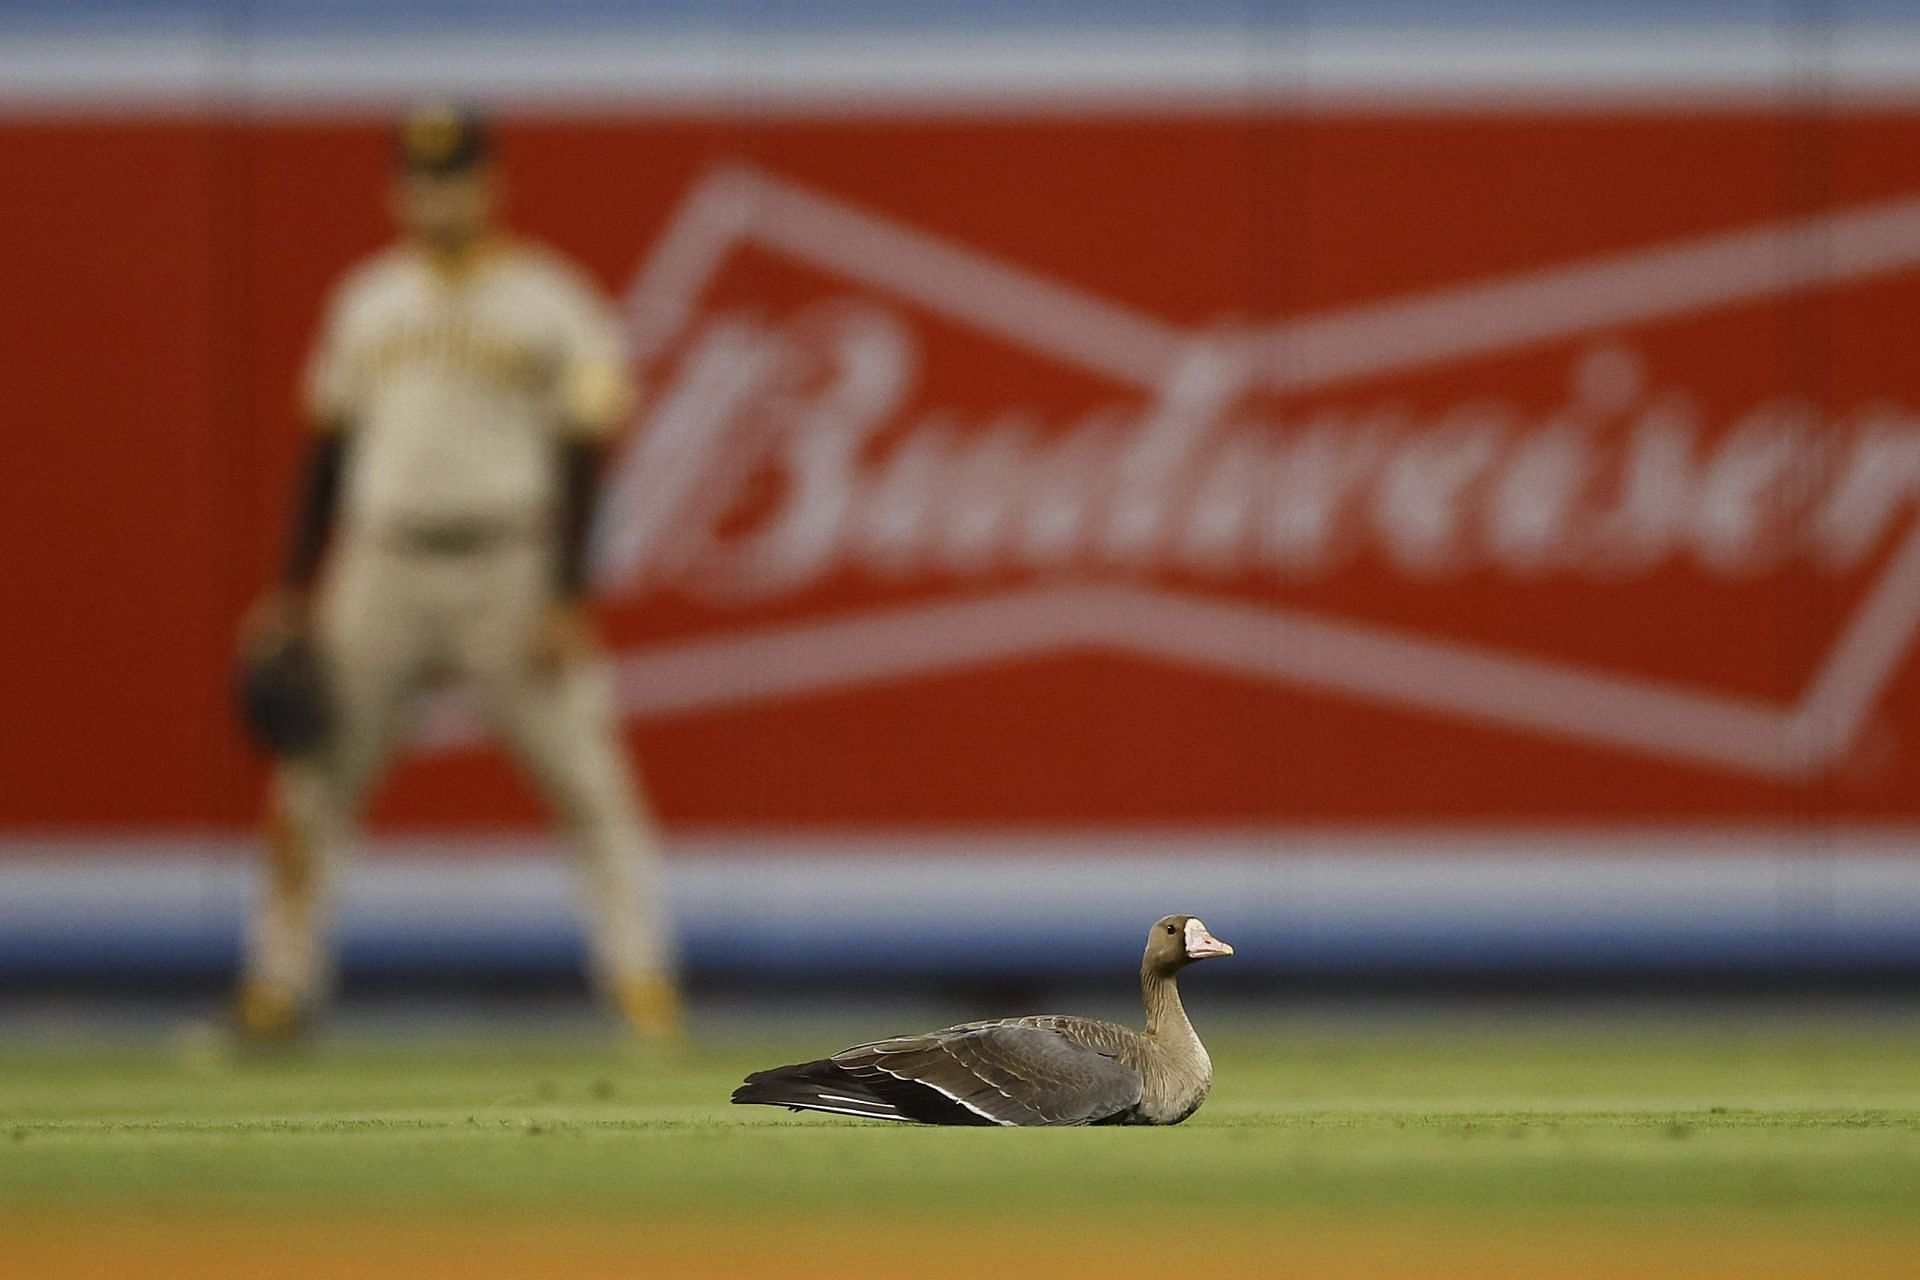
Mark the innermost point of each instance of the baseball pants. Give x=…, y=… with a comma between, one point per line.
x=396, y=622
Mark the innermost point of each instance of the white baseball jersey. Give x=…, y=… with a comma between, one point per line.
x=458, y=383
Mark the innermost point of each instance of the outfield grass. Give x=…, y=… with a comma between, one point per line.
x=1765, y=1140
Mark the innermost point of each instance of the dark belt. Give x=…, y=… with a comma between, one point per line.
x=454, y=537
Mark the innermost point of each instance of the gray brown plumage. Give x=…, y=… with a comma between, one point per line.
x=1048, y=1069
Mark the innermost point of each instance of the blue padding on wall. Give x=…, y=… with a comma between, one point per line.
x=976, y=951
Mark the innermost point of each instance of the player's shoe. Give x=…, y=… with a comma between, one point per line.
x=650, y=1007
x=268, y=1016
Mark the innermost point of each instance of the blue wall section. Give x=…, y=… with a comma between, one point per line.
x=750, y=952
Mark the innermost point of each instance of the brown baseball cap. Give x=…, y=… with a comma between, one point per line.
x=440, y=138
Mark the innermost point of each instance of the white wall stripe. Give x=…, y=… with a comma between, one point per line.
x=739, y=73
x=901, y=881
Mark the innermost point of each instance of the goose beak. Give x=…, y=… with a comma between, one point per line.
x=1201, y=944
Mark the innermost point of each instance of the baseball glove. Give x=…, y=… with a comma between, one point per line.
x=282, y=694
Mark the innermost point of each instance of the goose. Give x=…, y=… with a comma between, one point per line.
x=1046, y=1069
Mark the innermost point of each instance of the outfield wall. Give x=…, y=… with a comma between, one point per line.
x=1433, y=495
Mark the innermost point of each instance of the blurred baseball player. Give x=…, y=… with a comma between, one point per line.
x=461, y=389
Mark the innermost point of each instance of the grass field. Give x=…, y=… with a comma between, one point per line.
x=1751, y=1145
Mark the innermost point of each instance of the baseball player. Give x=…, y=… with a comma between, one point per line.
x=462, y=389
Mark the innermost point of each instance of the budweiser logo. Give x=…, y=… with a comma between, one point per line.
x=1622, y=476
x=1167, y=511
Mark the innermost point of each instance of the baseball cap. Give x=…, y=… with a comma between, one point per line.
x=440, y=138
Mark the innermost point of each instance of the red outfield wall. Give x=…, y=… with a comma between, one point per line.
x=1515, y=469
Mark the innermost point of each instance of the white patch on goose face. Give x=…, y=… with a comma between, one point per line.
x=1201, y=944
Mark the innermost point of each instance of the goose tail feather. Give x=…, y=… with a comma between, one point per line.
x=815, y=1086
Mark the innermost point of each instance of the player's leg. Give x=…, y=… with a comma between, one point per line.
x=369, y=644
x=561, y=726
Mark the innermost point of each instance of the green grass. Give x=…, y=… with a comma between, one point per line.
x=1803, y=1118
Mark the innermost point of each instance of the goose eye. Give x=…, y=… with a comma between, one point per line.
x=1171, y=929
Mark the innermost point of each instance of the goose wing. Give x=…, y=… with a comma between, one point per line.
x=1109, y=1038
x=1003, y=1073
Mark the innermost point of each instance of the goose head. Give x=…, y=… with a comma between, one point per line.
x=1177, y=941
